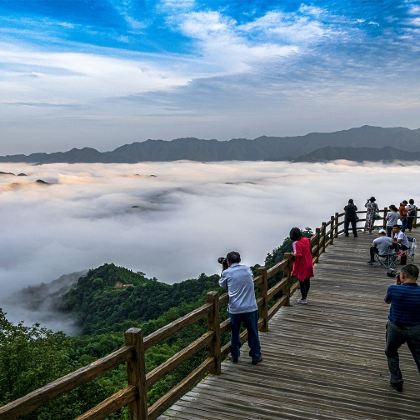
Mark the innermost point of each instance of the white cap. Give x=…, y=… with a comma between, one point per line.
x=382, y=231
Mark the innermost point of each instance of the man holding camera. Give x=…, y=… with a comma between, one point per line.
x=242, y=307
x=403, y=321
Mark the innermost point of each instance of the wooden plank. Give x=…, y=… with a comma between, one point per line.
x=111, y=404
x=338, y=339
x=281, y=302
x=170, y=329
x=175, y=393
x=277, y=288
x=272, y=271
x=170, y=364
x=35, y=399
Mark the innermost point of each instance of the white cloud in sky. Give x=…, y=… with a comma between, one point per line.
x=73, y=78
x=289, y=28
x=221, y=42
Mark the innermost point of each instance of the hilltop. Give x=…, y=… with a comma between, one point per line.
x=353, y=144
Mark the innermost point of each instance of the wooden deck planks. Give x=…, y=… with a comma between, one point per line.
x=321, y=361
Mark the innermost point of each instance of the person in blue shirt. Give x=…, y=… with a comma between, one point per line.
x=403, y=321
x=242, y=306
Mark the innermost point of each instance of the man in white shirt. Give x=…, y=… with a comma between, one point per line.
x=381, y=246
x=242, y=307
x=400, y=242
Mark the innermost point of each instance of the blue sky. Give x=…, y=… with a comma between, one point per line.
x=106, y=72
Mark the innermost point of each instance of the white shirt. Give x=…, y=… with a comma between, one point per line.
x=402, y=238
x=392, y=218
x=383, y=243
x=239, y=281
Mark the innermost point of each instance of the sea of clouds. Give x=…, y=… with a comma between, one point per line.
x=170, y=220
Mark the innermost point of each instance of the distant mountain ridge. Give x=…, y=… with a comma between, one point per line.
x=362, y=143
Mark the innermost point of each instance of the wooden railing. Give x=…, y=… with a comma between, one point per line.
x=133, y=352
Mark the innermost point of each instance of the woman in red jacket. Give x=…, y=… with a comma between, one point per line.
x=302, y=262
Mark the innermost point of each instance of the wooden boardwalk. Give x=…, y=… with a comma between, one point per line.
x=321, y=361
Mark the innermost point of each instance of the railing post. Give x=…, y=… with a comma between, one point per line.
x=414, y=225
x=384, y=221
x=324, y=234
x=318, y=244
x=136, y=371
x=336, y=225
x=215, y=349
x=264, y=306
x=287, y=274
x=332, y=230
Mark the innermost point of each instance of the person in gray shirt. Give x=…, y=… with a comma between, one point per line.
x=392, y=218
x=381, y=246
x=242, y=306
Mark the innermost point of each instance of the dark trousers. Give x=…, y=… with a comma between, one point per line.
x=395, y=338
x=250, y=320
x=373, y=250
x=404, y=224
x=389, y=231
x=347, y=222
x=304, y=287
x=410, y=221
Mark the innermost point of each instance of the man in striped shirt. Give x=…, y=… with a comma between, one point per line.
x=403, y=321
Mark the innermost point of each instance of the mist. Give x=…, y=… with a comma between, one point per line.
x=170, y=220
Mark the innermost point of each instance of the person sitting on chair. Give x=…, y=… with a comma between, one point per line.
x=400, y=242
x=381, y=246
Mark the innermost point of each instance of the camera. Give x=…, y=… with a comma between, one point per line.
x=394, y=274
x=223, y=261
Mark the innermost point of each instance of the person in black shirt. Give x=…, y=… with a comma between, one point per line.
x=350, y=217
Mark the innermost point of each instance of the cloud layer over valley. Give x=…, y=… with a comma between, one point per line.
x=171, y=220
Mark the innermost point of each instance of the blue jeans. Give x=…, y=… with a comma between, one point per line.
x=250, y=320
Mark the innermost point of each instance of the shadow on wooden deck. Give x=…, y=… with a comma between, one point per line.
x=321, y=361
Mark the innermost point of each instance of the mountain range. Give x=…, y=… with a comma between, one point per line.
x=366, y=143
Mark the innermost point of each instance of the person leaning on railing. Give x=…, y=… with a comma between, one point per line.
x=242, y=306
x=403, y=322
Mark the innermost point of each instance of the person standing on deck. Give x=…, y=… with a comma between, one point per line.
x=403, y=322
x=302, y=262
x=391, y=219
x=403, y=214
x=411, y=214
x=242, y=307
x=372, y=211
x=350, y=217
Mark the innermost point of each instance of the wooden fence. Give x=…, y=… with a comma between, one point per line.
x=133, y=352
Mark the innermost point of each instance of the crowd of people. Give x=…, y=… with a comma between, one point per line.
x=404, y=316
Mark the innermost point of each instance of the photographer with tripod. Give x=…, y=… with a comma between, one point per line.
x=242, y=307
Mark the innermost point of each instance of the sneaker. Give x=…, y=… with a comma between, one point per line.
x=303, y=301
x=398, y=386
x=256, y=361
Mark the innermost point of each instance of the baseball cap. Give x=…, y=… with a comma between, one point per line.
x=382, y=231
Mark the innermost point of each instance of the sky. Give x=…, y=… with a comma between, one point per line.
x=175, y=224
x=102, y=73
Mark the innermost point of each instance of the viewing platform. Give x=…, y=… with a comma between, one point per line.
x=324, y=360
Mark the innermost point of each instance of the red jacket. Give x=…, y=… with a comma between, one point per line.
x=302, y=265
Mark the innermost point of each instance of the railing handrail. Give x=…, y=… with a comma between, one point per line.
x=135, y=394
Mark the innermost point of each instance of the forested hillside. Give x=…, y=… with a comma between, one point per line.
x=105, y=302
